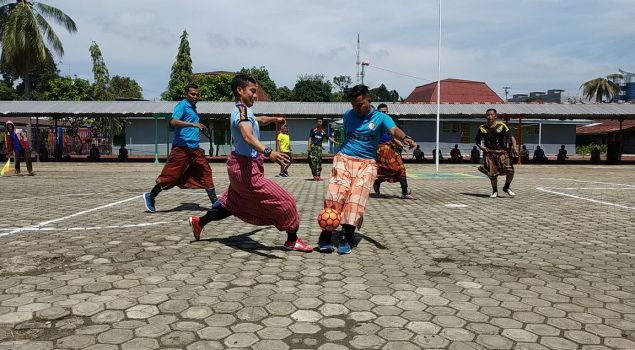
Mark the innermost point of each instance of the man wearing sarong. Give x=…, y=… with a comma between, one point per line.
x=187, y=166
x=354, y=166
x=496, y=161
x=390, y=166
x=314, y=148
x=250, y=196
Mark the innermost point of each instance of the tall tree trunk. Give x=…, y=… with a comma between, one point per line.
x=27, y=96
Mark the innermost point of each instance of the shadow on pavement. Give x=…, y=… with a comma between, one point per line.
x=245, y=243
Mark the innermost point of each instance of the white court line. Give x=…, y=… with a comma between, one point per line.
x=596, y=182
x=593, y=188
x=96, y=227
x=53, y=196
x=583, y=198
x=44, y=223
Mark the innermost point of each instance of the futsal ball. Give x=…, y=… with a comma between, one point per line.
x=329, y=219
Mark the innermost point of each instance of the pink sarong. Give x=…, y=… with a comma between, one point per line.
x=255, y=199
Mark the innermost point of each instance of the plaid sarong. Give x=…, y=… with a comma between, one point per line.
x=349, y=186
x=255, y=199
x=186, y=168
x=497, y=164
x=390, y=166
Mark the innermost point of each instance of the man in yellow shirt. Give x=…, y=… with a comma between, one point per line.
x=284, y=146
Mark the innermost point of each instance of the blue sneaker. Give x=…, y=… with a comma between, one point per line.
x=149, y=202
x=325, y=247
x=343, y=247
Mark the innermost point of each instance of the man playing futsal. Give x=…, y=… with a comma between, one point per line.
x=251, y=196
x=187, y=166
x=496, y=161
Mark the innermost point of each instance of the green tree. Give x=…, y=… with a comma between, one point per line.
x=39, y=78
x=66, y=89
x=342, y=82
x=7, y=93
x=181, y=74
x=215, y=87
x=101, y=77
x=27, y=36
x=264, y=80
x=283, y=93
x=124, y=87
x=600, y=89
x=312, y=88
x=381, y=94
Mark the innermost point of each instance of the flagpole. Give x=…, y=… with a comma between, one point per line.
x=436, y=156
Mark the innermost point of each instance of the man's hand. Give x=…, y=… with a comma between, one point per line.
x=279, y=158
x=280, y=120
x=200, y=126
x=411, y=144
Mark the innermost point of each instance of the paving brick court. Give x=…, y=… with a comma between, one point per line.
x=82, y=266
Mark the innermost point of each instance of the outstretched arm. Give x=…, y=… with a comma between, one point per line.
x=246, y=131
x=398, y=134
x=265, y=120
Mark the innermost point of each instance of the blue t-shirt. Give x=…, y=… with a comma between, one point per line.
x=317, y=136
x=361, y=135
x=15, y=142
x=187, y=136
x=385, y=137
x=243, y=114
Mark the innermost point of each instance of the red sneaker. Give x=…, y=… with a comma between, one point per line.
x=319, y=179
x=196, y=227
x=298, y=246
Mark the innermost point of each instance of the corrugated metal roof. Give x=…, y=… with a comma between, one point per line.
x=312, y=109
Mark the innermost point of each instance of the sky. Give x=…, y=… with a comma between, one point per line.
x=527, y=45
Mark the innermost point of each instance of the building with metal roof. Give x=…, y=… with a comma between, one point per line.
x=548, y=125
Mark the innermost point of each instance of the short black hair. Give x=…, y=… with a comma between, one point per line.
x=491, y=109
x=319, y=118
x=357, y=90
x=240, y=81
x=190, y=86
x=382, y=105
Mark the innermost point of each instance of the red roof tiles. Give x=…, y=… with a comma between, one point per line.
x=454, y=91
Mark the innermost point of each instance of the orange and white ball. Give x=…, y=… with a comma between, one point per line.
x=329, y=219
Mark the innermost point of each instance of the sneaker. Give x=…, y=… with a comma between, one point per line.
x=31, y=174
x=282, y=175
x=509, y=192
x=494, y=195
x=196, y=227
x=408, y=196
x=343, y=247
x=317, y=178
x=149, y=202
x=298, y=246
x=325, y=247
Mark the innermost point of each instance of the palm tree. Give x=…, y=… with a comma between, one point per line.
x=601, y=89
x=27, y=39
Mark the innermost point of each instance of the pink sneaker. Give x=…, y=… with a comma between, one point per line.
x=408, y=196
x=196, y=227
x=298, y=246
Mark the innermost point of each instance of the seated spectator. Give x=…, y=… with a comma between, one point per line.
x=418, y=154
x=562, y=154
x=539, y=156
x=123, y=154
x=595, y=155
x=434, y=155
x=44, y=153
x=524, y=155
x=475, y=155
x=94, y=153
x=455, y=154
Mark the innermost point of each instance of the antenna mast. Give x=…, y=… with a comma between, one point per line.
x=357, y=63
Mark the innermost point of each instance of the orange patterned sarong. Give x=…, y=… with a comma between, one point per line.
x=350, y=183
x=390, y=166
